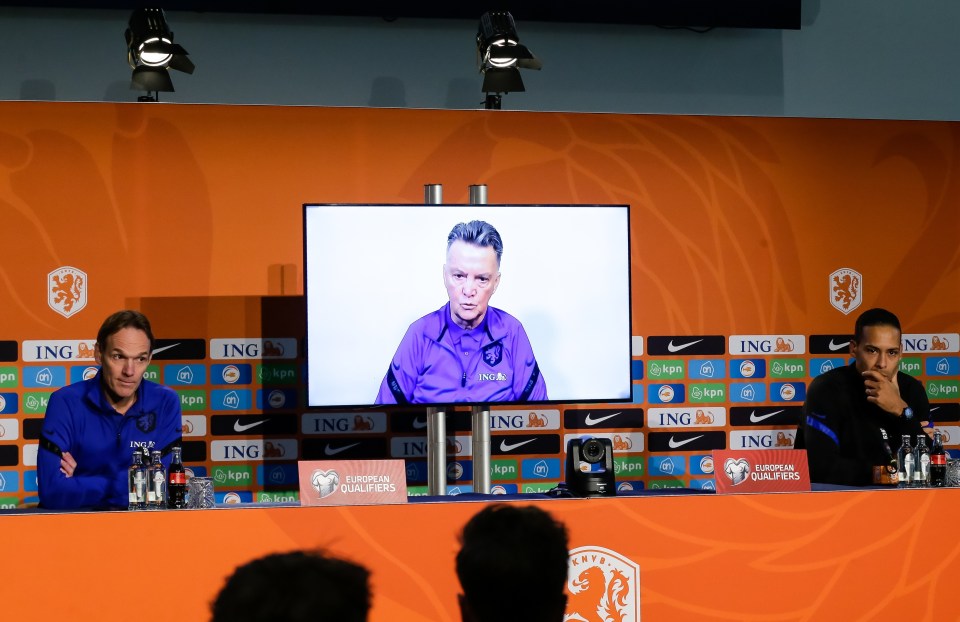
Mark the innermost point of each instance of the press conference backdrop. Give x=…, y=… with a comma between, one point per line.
x=755, y=243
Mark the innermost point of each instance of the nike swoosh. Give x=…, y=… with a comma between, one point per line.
x=755, y=419
x=675, y=444
x=682, y=346
x=333, y=451
x=164, y=348
x=838, y=346
x=591, y=421
x=418, y=424
x=239, y=427
x=505, y=447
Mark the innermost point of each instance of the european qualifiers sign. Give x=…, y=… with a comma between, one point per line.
x=769, y=470
x=352, y=482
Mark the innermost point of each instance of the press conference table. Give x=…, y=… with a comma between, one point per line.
x=827, y=555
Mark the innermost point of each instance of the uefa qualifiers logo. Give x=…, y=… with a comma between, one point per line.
x=846, y=290
x=603, y=585
x=737, y=470
x=325, y=482
x=67, y=290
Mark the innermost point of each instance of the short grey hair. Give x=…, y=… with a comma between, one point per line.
x=478, y=233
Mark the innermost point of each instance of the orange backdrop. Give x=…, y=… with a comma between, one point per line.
x=864, y=555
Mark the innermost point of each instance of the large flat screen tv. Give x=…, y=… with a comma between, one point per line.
x=410, y=304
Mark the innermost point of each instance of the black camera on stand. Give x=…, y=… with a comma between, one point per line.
x=590, y=467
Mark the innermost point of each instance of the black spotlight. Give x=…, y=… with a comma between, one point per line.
x=590, y=467
x=151, y=53
x=500, y=57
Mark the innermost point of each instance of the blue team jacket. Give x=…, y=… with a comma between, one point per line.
x=81, y=421
x=428, y=370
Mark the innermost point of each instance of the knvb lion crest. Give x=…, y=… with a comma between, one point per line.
x=604, y=586
x=67, y=290
x=846, y=290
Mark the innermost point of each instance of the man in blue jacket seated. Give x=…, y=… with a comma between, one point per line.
x=855, y=416
x=91, y=428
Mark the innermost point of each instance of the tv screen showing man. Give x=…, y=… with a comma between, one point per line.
x=537, y=305
x=466, y=351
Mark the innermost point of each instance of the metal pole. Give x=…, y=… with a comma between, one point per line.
x=480, y=415
x=433, y=194
x=436, y=417
x=478, y=194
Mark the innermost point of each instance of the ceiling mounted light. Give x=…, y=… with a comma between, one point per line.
x=151, y=52
x=500, y=56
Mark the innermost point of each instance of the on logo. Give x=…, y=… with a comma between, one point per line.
x=846, y=291
x=67, y=290
x=603, y=585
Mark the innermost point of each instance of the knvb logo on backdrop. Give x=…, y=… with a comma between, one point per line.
x=846, y=290
x=67, y=290
x=603, y=585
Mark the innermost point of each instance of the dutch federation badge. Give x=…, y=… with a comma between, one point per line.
x=846, y=290
x=493, y=354
x=67, y=290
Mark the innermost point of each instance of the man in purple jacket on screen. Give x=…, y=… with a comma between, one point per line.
x=466, y=351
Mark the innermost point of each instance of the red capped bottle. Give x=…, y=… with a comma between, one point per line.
x=938, y=461
x=177, y=481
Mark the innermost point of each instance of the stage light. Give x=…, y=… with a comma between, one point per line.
x=500, y=57
x=151, y=53
x=590, y=470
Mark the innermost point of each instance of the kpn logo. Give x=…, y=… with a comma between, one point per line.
x=943, y=389
x=665, y=370
x=603, y=585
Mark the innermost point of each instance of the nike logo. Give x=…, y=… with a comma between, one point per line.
x=419, y=424
x=682, y=346
x=504, y=446
x=239, y=427
x=675, y=444
x=837, y=346
x=164, y=348
x=754, y=418
x=591, y=421
x=333, y=451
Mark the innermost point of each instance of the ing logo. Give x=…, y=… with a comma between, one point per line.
x=603, y=585
x=67, y=290
x=536, y=421
x=783, y=345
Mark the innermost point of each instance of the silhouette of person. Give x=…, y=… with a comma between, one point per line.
x=298, y=586
x=512, y=566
